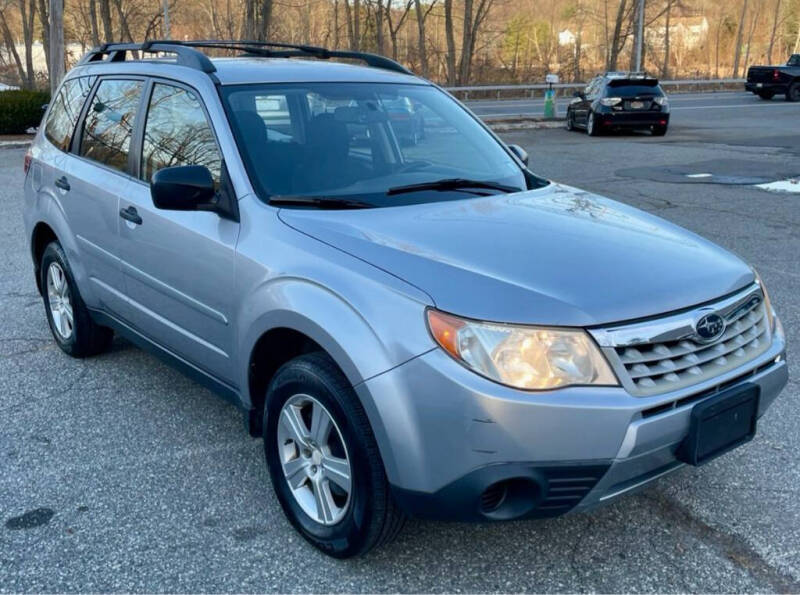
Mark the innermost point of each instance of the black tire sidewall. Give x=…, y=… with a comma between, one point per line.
x=793, y=92
x=350, y=535
x=55, y=253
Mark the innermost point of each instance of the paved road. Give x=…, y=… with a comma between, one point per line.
x=682, y=105
x=155, y=486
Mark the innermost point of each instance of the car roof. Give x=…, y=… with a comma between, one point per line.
x=246, y=70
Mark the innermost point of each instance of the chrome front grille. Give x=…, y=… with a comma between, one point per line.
x=666, y=354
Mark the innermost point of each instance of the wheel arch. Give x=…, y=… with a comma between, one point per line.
x=41, y=236
x=303, y=317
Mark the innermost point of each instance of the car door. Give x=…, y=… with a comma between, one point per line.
x=178, y=266
x=96, y=173
x=583, y=103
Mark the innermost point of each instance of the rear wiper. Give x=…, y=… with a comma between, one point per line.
x=321, y=202
x=451, y=184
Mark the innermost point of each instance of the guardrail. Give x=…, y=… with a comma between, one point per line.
x=530, y=91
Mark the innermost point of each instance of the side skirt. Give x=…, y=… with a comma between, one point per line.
x=217, y=386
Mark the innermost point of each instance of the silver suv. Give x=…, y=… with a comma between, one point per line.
x=414, y=322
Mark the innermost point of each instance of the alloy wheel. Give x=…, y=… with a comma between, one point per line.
x=314, y=459
x=59, y=300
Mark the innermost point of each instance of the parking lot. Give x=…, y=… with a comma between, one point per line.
x=134, y=478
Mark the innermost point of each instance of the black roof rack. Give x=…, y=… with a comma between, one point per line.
x=188, y=55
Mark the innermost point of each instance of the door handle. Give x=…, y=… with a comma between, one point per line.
x=62, y=183
x=131, y=214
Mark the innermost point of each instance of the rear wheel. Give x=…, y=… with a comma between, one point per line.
x=70, y=322
x=591, y=125
x=323, y=460
x=766, y=95
x=793, y=92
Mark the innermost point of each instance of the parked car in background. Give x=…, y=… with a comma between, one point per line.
x=620, y=101
x=768, y=81
x=406, y=119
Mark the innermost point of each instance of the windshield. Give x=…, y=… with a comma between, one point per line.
x=357, y=141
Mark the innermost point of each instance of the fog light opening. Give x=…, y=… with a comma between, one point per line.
x=510, y=498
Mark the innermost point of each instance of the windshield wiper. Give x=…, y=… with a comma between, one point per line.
x=451, y=184
x=321, y=202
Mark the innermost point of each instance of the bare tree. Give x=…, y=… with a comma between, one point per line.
x=739, y=33
x=395, y=26
x=105, y=16
x=56, y=63
x=775, y=19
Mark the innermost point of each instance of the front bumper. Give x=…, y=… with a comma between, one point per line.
x=447, y=436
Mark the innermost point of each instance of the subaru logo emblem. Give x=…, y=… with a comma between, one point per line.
x=710, y=327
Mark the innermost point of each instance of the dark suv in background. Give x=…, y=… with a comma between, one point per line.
x=619, y=100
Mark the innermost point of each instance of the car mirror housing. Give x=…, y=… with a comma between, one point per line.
x=521, y=153
x=183, y=188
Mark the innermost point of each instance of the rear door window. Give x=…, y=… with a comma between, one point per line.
x=65, y=110
x=109, y=123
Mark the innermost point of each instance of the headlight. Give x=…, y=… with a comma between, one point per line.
x=526, y=357
x=767, y=302
x=662, y=101
x=609, y=101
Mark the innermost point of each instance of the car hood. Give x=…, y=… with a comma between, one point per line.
x=556, y=255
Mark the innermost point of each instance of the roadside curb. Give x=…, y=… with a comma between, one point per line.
x=522, y=122
x=14, y=144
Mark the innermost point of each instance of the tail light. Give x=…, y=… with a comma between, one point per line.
x=26, y=164
x=776, y=75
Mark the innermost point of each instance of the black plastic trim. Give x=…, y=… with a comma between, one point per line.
x=554, y=489
x=223, y=389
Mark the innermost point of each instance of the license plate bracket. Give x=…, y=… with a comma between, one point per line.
x=720, y=424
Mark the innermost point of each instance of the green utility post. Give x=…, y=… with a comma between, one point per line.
x=550, y=96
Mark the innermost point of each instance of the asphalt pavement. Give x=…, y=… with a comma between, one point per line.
x=119, y=474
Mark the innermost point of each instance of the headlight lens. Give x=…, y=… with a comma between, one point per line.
x=526, y=357
x=662, y=101
x=609, y=101
x=767, y=302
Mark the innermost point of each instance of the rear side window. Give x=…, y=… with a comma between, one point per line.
x=65, y=110
x=176, y=132
x=109, y=123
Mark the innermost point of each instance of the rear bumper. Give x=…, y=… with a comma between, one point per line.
x=455, y=444
x=761, y=87
x=643, y=120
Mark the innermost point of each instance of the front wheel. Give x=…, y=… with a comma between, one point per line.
x=793, y=92
x=659, y=130
x=766, y=95
x=570, y=121
x=323, y=460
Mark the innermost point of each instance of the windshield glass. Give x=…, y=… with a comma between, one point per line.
x=358, y=141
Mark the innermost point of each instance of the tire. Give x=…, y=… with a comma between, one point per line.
x=659, y=130
x=70, y=322
x=766, y=95
x=344, y=527
x=570, y=121
x=591, y=128
x=793, y=92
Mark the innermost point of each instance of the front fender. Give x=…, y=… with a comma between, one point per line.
x=362, y=342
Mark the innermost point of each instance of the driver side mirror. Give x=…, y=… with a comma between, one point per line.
x=184, y=188
x=579, y=94
x=521, y=153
